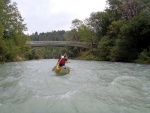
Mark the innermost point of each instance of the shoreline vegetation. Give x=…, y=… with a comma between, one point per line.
x=121, y=33
x=18, y=58
x=84, y=56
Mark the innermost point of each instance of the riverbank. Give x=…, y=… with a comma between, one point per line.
x=89, y=56
x=18, y=58
x=86, y=56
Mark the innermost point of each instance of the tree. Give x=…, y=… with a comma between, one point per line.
x=115, y=9
x=123, y=30
x=12, y=38
x=76, y=23
x=104, y=48
x=2, y=44
x=132, y=8
x=100, y=21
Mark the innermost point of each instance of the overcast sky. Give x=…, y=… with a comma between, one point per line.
x=48, y=15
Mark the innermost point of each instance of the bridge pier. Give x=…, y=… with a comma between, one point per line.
x=94, y=46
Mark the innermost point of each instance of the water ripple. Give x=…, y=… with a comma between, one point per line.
x=91, y=86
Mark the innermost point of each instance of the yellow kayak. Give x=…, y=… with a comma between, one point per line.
x=62, y=69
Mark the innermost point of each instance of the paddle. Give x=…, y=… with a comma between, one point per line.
x=56, y=65
x=54, y=68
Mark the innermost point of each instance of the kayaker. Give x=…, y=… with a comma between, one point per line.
x=61, y=61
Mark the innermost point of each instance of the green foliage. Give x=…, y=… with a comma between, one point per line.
x=12, y=38
x=76, y=23
x=85, y=34
x=38, y=54
x=144, y=57
x=115, y=9
x=2, y=45
x=86, y=56
x=123, y=35
x=71, y=35
x=122, y=51
x=100, y=22
x=114, y=28
x=54, y=52
x=49, y=36
x=104, y=48
x=12, y=50
x=137, y=30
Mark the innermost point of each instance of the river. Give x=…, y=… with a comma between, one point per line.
x=90, y=87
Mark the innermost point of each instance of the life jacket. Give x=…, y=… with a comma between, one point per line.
x=62, y=62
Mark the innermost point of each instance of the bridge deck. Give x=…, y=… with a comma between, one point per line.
x=58, y=44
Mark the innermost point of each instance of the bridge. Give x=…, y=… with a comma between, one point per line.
x=58, y=44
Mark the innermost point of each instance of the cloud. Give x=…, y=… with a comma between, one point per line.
x=48, y=15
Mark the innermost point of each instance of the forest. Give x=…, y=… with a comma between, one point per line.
x=121, y=32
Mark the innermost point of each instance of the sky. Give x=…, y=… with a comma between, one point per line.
x=49, y=15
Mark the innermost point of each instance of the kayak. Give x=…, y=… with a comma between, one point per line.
x=62, y=69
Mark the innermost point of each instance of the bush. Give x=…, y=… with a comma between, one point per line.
x=144, y=57
x=104, y=48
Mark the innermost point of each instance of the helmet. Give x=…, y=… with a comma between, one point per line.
x=62, y=56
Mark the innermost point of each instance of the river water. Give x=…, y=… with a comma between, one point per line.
x=91, y=87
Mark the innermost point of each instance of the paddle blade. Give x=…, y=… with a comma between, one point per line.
x=54, y=68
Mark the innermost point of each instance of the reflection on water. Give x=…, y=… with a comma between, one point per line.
x=91, y=86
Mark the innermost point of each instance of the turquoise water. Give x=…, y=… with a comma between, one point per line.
x=91, y=87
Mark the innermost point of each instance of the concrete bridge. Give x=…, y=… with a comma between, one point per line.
x=58, y=44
